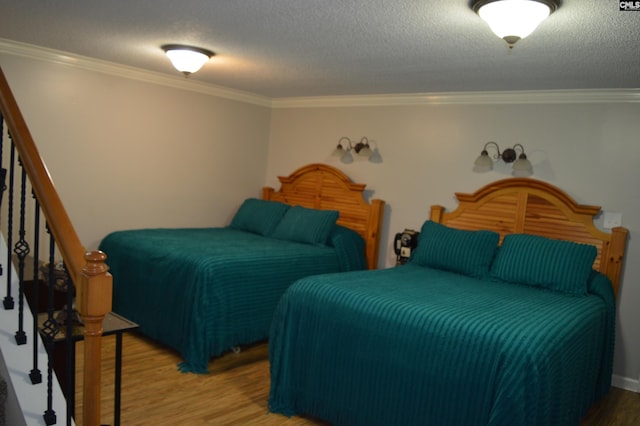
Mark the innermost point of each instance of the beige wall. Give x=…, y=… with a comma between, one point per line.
x=128, y=154
x=588, y=149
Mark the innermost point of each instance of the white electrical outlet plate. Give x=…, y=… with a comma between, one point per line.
x=611, y=220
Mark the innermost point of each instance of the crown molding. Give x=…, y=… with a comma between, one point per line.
x=577, y=96
x=466, y=98
x=91, y=64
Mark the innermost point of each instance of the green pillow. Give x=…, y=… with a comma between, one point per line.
x=350, y=247
x=465, y=252
x=558, y=265
x=259, y=216
x=306, y=225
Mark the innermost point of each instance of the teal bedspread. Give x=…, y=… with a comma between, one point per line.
x=204, y=291
x=417, y=346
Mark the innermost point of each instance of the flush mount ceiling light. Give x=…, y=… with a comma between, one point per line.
x=513, y=20
x=187, y=59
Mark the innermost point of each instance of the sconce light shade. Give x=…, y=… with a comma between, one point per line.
x=187, y=59
x=521, y=166
x=483, y=163
x=513, y=20
x=339, y=152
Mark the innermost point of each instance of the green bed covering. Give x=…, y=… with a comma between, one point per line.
x=417, y=346
x=203, y=291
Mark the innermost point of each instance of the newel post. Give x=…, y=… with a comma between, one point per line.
x=93, y=300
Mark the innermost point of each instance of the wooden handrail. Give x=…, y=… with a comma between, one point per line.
x=88, y=271
x=63, y=232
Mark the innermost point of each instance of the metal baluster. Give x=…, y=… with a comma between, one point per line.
x=35, y=375
x=72, y=319
x=21, y=249
x=50, y=330
x=3, y=171
x=8, y=299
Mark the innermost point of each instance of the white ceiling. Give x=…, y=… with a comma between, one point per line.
x=300, y=48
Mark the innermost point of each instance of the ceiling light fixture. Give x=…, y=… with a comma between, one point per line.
x=513, y=20
x=521, y=165
x=187, y=59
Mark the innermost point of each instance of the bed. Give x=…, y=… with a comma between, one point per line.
x=504, y=315
x=204, y=291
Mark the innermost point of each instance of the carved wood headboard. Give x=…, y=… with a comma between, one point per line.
x=530, y=206
x=320, y=186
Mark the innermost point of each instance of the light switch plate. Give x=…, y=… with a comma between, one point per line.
x=612, y=219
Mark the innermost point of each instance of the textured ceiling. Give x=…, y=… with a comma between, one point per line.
x=299, y=48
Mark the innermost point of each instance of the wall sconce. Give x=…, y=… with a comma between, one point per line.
x=187, y=59
x=521, y=165
x=345, y=145
x=513, y=20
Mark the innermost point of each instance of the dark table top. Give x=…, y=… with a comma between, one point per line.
x=112, y=324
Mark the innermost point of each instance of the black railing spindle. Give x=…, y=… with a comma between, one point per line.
x=8, y=299
x=35, y=375
x=21, y=249
x=3, y=171
x=50, y=330
x=71, y=319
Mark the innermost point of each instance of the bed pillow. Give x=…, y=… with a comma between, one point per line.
x=465, y=252
x=259, y=216
x=557, y=265
x=304, y=225
x=350, y=247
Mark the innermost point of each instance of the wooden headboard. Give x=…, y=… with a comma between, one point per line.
x=530, y=206
x=320, y=186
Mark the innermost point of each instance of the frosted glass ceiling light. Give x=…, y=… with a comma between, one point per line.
x=513, y=20
x=187, y=59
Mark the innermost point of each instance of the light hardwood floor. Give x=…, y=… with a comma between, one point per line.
x=154, y=392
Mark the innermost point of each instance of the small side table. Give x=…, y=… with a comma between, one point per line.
x=112, y=324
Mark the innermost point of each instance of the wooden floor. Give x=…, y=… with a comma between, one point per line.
x=154, y=392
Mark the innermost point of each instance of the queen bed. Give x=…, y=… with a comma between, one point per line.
x=505, y=314
x=204, y=291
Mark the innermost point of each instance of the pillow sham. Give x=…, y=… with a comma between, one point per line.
x=259, y=216
x=304, y=225
x=465, y=252
x=350, y=247
x=558, y=265
x=598, y=283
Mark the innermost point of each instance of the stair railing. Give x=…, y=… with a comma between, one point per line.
x=87, y=271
